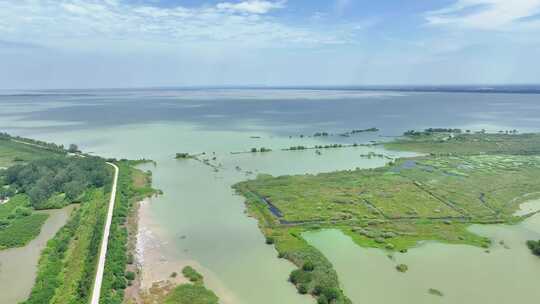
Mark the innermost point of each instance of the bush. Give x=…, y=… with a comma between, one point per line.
x=317, y=290
x=22, y=212
x=330, y=293
x=192, y=274
x=308, y=266
x=299, y=276
x=119, y=284
x=534, y=246
x=402, y=268
x=302, y=289
x=270, y=240
x=322, y=300
x=130, y=275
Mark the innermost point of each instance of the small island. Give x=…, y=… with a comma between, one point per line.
x=184, y=156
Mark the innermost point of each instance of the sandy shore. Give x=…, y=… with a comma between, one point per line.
x=157, y=265
x=150, y=252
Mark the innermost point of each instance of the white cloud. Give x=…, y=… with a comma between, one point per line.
x=251, y=6
x=485, y=14
x=82, y=22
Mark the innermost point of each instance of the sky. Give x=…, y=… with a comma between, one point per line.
x=46, y=44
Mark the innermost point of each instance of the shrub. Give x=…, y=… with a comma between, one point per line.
x=308, y=266
x=192, y=274
x=330, y=293
x=302, y=288
x=402, y=268
x=317, y=290
x=534, y=246
x=270, y=240
x=299, y=276
x=119, y=283
x=22, y=212
x=130, y=275
x=322, y=300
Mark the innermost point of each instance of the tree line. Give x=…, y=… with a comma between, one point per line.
x=43, y=178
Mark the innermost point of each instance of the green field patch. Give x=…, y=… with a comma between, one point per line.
x=22, y=230
x=463, y=179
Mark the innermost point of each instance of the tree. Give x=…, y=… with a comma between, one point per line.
x=73, y=148
x=331, y=293
x=73, y=189
x=130, y=275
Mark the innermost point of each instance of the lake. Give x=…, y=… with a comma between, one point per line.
x=201, y=221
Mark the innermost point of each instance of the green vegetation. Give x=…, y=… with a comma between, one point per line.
x=534, y=246
x=435, y=292
x=262, y=150
x=17, y=149
x=345, y=134
x=183, y=156
x=402, y=268
x=67, y=265
x=469, y=143
x=41, y=176
x=191, y=294
x=466, y=178
x=192, y=274
x=329, y=146
x=18, y=223
x=57, y=181
x=315, y=274
x=133, y=185
x=321, y=134
x=194, y=293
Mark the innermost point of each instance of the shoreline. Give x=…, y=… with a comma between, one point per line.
x=155, y=264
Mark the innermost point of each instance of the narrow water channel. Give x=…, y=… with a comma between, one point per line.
x=18, y=266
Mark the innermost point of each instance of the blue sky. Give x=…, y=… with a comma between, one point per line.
x=133, y=43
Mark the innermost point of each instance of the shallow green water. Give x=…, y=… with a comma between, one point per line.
x=18, y=265
x=199, y=217
x=464, y=274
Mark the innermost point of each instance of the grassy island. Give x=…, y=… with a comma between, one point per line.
x=462, y=178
